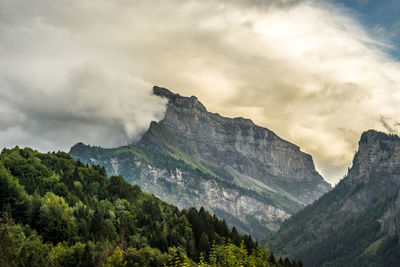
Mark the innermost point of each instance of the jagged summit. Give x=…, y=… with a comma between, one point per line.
x=189, y=107
x=179, y=100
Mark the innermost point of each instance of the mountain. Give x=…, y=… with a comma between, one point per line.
x=358, y=222
x=243, y=173
x=55, y=211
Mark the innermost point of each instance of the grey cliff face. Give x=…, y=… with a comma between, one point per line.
x=377, y=152
x=376, y=169
x=218, y=198
x=390, y=221
x=378, y=162
x=238, y=143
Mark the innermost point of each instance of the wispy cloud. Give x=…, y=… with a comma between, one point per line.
x=82, y=70
x=388, y=33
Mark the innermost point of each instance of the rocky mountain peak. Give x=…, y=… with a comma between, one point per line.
x=176, y=100
x=237, y=146
x=377, y=152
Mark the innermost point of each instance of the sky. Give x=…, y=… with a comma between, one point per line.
x=317, y=73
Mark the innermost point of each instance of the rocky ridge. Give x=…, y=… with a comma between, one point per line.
x=241, y=172
x=239, y=146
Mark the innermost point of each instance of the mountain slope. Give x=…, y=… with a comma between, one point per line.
x=55, y=211
x=358, y=222
x=239, y=171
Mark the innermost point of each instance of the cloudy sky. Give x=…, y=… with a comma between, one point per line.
x=318, y=73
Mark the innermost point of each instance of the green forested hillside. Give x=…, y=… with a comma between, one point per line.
x=135, y=161
x=59, y=212
x=324, y=235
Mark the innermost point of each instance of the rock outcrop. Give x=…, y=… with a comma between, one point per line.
x=358, y=222
x=239, y=146
x=241, y=172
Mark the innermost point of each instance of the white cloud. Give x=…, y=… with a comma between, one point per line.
x=82, y=71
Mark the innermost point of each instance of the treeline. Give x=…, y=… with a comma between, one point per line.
x=132, y=159
x=59, y=212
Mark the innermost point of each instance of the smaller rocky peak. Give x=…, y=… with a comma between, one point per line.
x=377, y=152
x=374, y=144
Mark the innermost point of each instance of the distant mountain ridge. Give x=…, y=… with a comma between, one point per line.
x=236, y=169
x=358, y=222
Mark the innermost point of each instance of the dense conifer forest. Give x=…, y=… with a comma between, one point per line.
x=55, y=211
